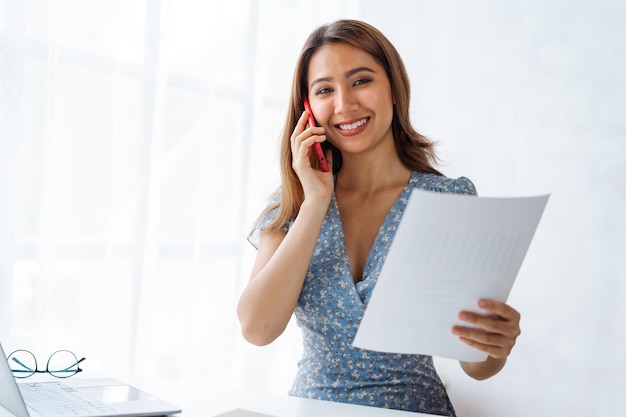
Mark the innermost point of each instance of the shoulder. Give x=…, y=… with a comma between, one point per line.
x=442, y=184
x=267, y=216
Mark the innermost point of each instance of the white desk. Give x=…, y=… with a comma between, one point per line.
x=198, y=401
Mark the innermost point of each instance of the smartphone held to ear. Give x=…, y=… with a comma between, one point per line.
x=317, y=146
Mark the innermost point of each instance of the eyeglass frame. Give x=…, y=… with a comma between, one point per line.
x=32, y=372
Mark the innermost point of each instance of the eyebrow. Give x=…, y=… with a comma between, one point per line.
x=347, y=75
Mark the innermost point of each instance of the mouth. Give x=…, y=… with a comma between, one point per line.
x=347, y=127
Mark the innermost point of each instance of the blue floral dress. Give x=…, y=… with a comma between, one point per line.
x=330, y=309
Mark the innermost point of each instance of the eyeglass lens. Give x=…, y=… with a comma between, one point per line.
x=22, y=363
x=62, y=364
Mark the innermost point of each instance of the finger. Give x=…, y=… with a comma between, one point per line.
x=297, y=135
x=303, y=120
x=300, y=126
x=301, y=132
x=307, y=143
x=495, y=351
x=499, y=308
x=494, y=344
x=499, y=312
x=488, y=321
x=492, y=324
x=482, y=337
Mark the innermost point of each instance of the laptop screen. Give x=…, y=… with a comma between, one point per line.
x=10, y=397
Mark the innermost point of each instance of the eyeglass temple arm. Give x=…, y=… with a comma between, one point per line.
x=69, y=368
x=26, y=368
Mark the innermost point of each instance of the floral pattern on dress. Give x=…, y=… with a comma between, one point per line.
x=331, y=307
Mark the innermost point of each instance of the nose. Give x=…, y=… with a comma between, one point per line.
x=345, y=102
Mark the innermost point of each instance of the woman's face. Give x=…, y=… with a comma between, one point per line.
x=351, y=98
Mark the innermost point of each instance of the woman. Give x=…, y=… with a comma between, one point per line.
x=324, y=237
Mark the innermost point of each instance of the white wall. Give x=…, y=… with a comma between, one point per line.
x=528, y=97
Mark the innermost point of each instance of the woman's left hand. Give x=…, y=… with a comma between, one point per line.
x=493, y=333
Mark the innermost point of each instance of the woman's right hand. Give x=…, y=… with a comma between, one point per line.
x=316, y=183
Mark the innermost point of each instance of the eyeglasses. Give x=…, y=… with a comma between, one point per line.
x=61, y=364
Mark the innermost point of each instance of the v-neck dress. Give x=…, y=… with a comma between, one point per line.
x=331, y=307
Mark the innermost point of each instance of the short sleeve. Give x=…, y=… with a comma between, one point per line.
x=464, y=185
x=263, y=221
x=442, y=184
x=253, y=236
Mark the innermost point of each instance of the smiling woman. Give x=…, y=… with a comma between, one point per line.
x=323, y=238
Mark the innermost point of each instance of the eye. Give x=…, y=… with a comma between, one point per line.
x=324, y=90
x=362, y=81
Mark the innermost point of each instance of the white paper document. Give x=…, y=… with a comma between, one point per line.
x=449, y=251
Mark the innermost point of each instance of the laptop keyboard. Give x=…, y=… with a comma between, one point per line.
x=56, y=399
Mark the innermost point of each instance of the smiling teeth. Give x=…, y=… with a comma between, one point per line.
x=353, y=125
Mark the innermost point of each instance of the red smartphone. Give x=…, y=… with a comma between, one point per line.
x=317, y=146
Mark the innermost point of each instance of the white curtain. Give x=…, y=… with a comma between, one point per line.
x=138, y=143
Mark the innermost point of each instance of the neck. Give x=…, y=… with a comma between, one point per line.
x=368, y=176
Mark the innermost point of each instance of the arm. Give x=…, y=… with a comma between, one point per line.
x=267, y=303
x=483, y=370
x=494, y=333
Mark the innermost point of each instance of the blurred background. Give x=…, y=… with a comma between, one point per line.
x=139, y=141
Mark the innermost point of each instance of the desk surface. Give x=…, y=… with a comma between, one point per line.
x=200, y=400
x=197, y=400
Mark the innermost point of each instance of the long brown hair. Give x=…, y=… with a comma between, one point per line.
x=414, y=150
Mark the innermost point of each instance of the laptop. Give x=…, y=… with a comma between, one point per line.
x=76, y=397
